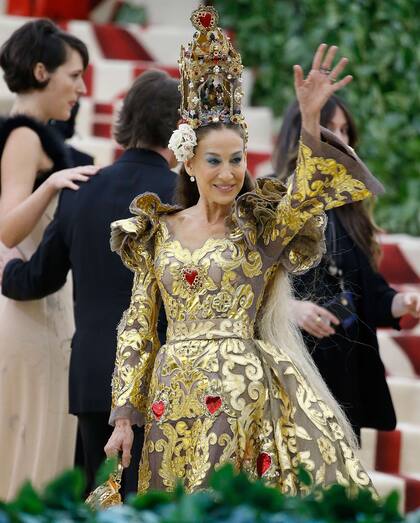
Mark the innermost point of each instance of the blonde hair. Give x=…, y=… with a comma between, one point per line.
x=275, y=323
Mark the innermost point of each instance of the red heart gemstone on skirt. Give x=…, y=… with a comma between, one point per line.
x=213, y=403
x=205, y=19
x=158, y=408
x=263, y=463
x=190, y=276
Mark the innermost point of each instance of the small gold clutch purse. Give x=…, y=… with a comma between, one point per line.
x=108, y=494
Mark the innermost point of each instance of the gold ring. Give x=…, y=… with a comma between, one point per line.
x=318, y=319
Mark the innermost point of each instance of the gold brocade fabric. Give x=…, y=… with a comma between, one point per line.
x=215, y=394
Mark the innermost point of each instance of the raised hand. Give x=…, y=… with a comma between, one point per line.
x=322, y=81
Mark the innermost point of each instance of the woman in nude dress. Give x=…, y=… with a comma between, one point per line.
x=44, y=67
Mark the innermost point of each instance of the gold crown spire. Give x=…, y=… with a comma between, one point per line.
x=210, y=74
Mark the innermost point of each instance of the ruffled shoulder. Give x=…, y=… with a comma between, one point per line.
x=254, y=213
x=255, y=219
x=131, y=237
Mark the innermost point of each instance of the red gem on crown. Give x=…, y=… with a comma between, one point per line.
x=205, y=19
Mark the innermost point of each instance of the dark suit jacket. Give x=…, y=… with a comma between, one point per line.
x=78, y=239
x=349, y=361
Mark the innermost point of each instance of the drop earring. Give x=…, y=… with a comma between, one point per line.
x=192, y=179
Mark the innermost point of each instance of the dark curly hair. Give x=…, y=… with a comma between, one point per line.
x=187, y=194
x=36, y=41
x=149, y=113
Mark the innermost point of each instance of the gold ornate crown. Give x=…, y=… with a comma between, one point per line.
x=210, y=75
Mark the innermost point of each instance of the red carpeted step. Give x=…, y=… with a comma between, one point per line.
x=19, y=7
x=412, y=493
x=57, y=10
x=388, y=451
x=118, y=44
x=408, y=322
x=410, y=344
x=88, y=79
x=395, y=267
x=391, y=465
x=256, y=158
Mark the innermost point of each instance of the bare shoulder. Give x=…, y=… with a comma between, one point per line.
x=22, y=144
x=24, y=137
x=21, y=160
x=23, y=154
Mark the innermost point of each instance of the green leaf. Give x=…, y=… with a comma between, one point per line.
x=151, y=499
x=222, y=478
x=28, y=500
x=304, y=476
x=235, y=499
x=66, y=491
x=108, y=467
x=381, y=41
x=391, y=506
x=131, y=14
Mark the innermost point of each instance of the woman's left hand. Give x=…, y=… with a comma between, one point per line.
x=313, y=91
x=406, y=303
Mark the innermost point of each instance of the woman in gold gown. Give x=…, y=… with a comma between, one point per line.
x=233, y=383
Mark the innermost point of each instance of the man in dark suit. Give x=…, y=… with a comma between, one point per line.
x=78, y=240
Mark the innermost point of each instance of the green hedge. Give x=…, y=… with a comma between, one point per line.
x=233, y=499
x=381, y=39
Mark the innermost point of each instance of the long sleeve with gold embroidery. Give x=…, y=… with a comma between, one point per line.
x=137, y=335
x=288, y=223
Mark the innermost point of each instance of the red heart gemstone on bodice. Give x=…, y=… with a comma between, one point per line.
x=158, y=408
x=205, y=19
x=190, y=276
x=213, y=403
x=263, y=463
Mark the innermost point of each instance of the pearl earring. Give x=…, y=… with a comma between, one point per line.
x=192, y=178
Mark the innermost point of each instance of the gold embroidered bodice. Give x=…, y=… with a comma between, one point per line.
x=215, y=392
x=221, y=286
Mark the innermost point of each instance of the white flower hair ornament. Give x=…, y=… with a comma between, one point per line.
x=182, y=142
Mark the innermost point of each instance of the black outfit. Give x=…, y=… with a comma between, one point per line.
x=78, y=239
x=66, y=129
x=79, y=157
x=349, y=360
x=51, y=142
